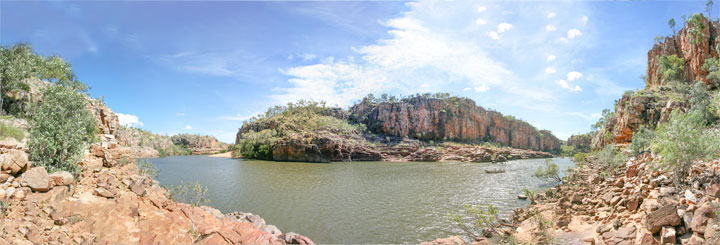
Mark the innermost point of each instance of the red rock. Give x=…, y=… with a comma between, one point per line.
x=701, y=217
x=664, y=216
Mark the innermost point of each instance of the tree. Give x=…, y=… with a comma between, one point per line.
x=671, y=23
x=671, y=67
x=19, y=62
x=708, y=8
x=60, y=129
x=606, y=117
x=551, y=171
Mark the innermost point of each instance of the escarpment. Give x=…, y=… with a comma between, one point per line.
x=453, y=119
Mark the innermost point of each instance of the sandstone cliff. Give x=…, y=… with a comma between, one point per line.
x=451, y=119
x=693, y=48
x=581, y=142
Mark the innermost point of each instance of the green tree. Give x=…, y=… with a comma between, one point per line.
x=708, y=8
x=671, y=23
x=606, y=117
x=60, y=129
x=19, y=62
x=641, y=140
x=671, y=67
x=682, y=140
x=551, y=171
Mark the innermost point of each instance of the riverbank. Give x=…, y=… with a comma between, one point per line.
x=112, y=201
x=223, y=155
x=631, y=204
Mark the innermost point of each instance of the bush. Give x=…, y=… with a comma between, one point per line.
x=257, y=145
x=579, y=158
x=479, y=219
x=193, y=194
x=641, y=140
x=671, y=67
x=682, y=140
x=60, y=129
x=551, y=171
x=609, y=157
x=146, y=168
x=8, y=131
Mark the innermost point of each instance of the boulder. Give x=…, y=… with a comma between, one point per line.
x=667, y=235
x=664, y=216
x=36, y=178
x=15, y=162
x=701, y=217
x=61, y=178
x=103, y=192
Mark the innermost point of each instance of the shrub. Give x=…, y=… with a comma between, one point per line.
x=551, y=171
x=641, y=140
x=671, y=67
x=609, y=157
x=257, y=145
x=479, y=219
x=60, y=129
x=579, y=158
x=8, y=131
x=146, y=168
x=567, y=150
x=682, y=140
x=193, y=193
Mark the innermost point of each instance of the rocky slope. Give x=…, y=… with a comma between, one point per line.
x=450, y=119
x=199, y=144
x=633, y=204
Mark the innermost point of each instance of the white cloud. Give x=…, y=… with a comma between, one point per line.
x=574, y=75
x=179, y=114
x=493, y=35
x=584, y=20
x=481, y=9
x=188, y=127
x=563, y=83
x=576, y=89
x=129, y=120
x=551, y=57
x=572, y=33
x=480, y=21
x=550, y=70
x=481, y=88
x=550, y=27
x=551, y=15
x=502, y=27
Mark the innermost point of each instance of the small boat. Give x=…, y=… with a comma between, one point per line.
x=494, y=171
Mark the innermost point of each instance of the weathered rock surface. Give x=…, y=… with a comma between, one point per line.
x=450, y=119
x=323, y=147
x=15, y=162
x=199, y=144
x=36, y=178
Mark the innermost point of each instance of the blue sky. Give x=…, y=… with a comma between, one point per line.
x=204, y=67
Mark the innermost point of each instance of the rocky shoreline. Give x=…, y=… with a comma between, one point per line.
x=112, y=201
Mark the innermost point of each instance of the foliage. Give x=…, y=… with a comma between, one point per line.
x=193, y=193
x=700, y=100
x=146, y=168
x=8, y=131
x=4, y=208
x=712, y=66
x=543, y=226
x=60, y=129
x=682, y=140
x=671, y=24
x=641, y=140
x=671, y=67
x=18, y=63
x=609, y=157
x=567, y=150
x=257, y=145
x=479, y=219
x=697, y=26
x=606, y=117
x=580, y=158
x=529, y=194
x=550, y=171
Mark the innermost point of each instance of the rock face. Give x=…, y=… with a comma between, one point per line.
x=694, y=49
x=199, y=144
x=454, y=119
x=581, y=142
x=323, y=147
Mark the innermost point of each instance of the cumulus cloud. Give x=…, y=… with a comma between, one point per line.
x=576, y=89
x=584, y=19
x=563, y=84
x=550, y=70
x=502, y=27
x=550, y=27
x=129, y=120
x=481, y=88
x=551, y=57
x=572, y=33
x=551, y=15
x=481, y=9
x=493, y=35
x=188, y=127
x=574, y=75
x=480, y=21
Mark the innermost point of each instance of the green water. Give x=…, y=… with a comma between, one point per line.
x=355, y=202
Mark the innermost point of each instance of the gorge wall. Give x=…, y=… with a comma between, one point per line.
x=454, y=119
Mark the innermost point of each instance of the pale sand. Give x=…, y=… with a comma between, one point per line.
x=226, y=154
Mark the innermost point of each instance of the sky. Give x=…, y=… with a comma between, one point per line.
x=205, y=67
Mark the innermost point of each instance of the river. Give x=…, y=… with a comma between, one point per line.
x=356, y=202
